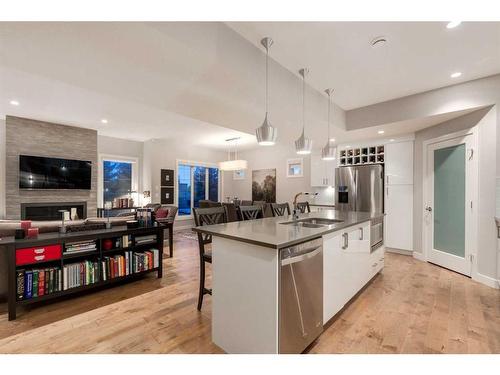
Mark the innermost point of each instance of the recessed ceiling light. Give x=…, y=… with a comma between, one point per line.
x=381, y=132
x=391, y=140
x=347, y=146
x=332, y=139
x=456, y=74
x=104, y=121
x=14, y=102
x=453, y=24
x=379, y=41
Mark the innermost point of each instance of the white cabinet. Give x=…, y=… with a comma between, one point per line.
x=322, y=171
x=399, y=217
x=398, y=195
x=346, y=266
x=333, y=276
x=399, y=163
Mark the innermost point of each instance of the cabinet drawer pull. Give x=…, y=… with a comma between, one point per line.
x=381, y=259
x=39, y=257
x=361, y=234
x=40, y=250
x=374, y=264
x=346, y=241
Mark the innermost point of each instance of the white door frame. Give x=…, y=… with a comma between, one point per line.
x=472, y=239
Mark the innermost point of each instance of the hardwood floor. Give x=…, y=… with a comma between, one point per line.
x=411, y=307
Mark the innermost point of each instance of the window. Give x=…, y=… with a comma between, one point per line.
x=195, y=183
x=117, y=179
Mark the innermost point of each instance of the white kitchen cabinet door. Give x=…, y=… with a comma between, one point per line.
x=399, y=163
x=322, y=171
x=398, y=225
x=334, y=275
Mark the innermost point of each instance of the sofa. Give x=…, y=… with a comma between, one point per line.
x=8, y=227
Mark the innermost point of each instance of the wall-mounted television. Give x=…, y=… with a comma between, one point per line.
x=36, y=172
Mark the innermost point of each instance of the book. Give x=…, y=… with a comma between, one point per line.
x=20, y=284
x=41, y=283
x=35, y=283
x=28, y=284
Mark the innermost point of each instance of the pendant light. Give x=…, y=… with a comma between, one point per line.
x=233, y=164
x=303, y=145
x=266, y=134
x=328, y=152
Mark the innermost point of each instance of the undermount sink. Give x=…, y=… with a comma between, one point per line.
x=313, y=222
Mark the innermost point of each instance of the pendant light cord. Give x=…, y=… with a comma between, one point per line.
x=329, y=102
x=267, y=79
x=304, y=102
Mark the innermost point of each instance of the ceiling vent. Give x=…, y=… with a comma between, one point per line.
x=378, y=41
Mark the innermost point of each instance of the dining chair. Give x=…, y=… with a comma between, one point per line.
x=206, y=216
x=303, y=207
x=279, y=209
x=250, y=212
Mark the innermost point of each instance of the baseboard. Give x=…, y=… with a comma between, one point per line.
x=486, y=280
x=419, y=256
x=398, y=251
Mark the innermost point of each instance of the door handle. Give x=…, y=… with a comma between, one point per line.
x=387, y=179
x=428, y=208
x=346, y=241
x=361, y=234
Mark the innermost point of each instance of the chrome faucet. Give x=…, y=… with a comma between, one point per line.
x=295, y=214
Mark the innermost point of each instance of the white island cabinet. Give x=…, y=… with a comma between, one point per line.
x=348, y=265
x=248, y=275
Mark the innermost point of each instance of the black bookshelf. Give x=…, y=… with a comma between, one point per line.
x=12, y=245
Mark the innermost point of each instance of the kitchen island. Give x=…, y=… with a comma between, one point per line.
x=277, y=281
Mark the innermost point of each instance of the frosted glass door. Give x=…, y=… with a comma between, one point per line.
x=448, y=215
x=449, y=200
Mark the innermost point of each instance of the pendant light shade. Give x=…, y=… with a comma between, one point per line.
x=303, y=145
x=328, y=152
x=266, y=134
x=233, y=164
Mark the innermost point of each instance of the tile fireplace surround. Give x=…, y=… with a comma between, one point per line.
x=39, y=138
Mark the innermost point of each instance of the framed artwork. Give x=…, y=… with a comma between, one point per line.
x=295, y=167
x=264, y=185
x=167, y=195
x=167, y=177
x=239, y=175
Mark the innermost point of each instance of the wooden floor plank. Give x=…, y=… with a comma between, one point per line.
x=411, y=307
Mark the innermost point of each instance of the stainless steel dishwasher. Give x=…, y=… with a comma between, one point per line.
x=301, y=295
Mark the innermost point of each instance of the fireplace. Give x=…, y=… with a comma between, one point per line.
x=50, y=211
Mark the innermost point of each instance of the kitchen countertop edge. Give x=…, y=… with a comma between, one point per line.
x=210, y=229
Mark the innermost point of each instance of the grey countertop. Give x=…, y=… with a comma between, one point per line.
x=269, y=232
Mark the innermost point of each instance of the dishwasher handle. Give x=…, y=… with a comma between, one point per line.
x=309, y=253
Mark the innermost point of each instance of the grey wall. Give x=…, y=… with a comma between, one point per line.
x=2, y=168
x=270, y=158
x=481, y=92
x=461, y=123
x=31, y=137
x=163, y=154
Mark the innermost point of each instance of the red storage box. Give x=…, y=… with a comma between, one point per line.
x=32, y=255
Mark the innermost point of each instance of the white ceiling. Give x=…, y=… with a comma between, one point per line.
x=419, y=56
x=202, y=83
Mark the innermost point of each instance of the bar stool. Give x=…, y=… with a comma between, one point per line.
x=303, y=207
x=206, y=216
x=250, y=212
x=279, y=209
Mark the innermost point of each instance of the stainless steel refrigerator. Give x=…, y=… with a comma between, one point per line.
x=360, y=188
